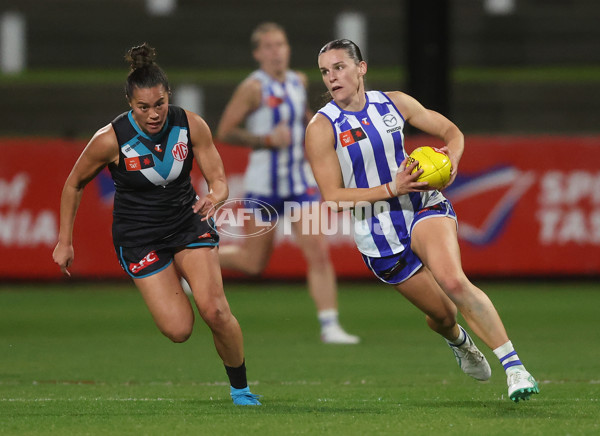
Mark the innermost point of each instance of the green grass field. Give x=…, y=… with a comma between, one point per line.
x=86, y=359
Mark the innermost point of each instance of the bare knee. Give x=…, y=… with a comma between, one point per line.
x=177, y=333
x=317, y=255
x=255, y=266
x=247, y=259
x=441, y=322
x=457, y=287
x=255, y=263
x=215, y=316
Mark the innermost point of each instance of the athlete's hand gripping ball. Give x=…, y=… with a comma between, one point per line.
x=436, y=166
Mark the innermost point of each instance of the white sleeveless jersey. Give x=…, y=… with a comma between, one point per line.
x=370, y=148
x=279, y=172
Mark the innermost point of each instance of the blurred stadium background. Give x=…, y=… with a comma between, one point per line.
x=520, y=77
x=529, y=68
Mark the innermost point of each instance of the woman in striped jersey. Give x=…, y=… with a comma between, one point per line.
x=406, y=232
x=272, y=103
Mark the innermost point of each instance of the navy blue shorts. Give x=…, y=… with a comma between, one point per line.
x=396, y=268
x=146, y=260
x=399, y=267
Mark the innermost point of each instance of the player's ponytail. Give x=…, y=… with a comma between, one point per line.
x=144, y=71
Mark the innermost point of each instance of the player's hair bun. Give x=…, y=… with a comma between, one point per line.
x=140, y=56
x=145, y=72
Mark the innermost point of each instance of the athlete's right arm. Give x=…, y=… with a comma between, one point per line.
x=321, y=154
x=245, y=100
x=100, y=151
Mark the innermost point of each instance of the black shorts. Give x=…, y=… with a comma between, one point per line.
x=146, y=260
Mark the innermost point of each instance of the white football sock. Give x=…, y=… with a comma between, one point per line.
x=508, y=357
x=328, y=317
x=462, y=337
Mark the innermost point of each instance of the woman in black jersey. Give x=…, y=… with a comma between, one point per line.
x=161, y=229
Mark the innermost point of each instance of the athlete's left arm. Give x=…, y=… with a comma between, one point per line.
x=433, y=123
x=210, y=163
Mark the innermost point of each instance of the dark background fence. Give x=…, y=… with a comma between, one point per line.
x=534, y=70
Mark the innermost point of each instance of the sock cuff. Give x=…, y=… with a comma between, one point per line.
x=328, y=317
x=503, y=350
x=458, y=342
x=511, y=354
x=327, y=314
x=511, y=364
x=237, y=375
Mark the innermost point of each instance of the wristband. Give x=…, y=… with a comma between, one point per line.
x=389, y=190
x=267, y=141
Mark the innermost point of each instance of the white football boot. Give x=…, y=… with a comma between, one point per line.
x=470, y=359
x=334, y=334
x=521, y=384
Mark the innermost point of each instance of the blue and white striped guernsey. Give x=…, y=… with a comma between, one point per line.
x=370, y=148
x=279, y=172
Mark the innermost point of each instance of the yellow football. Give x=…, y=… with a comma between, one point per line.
x=436, y=166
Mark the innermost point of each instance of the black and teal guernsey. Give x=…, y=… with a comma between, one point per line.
x=154, y=194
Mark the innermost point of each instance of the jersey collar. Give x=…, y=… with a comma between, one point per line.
x=154, y=138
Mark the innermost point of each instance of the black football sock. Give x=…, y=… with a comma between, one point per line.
x=237, y=376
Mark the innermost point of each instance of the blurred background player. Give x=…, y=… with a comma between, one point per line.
x=160, y=225
x=355, y=146
x=273, y=103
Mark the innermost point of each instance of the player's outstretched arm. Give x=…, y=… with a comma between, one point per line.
x=101, y=150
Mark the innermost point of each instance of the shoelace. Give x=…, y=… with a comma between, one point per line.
x=474, y=356
x=469, y=354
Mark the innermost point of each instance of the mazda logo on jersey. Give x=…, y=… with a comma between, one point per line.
x=351, y=136
x=139, y=162
x=390, y=120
